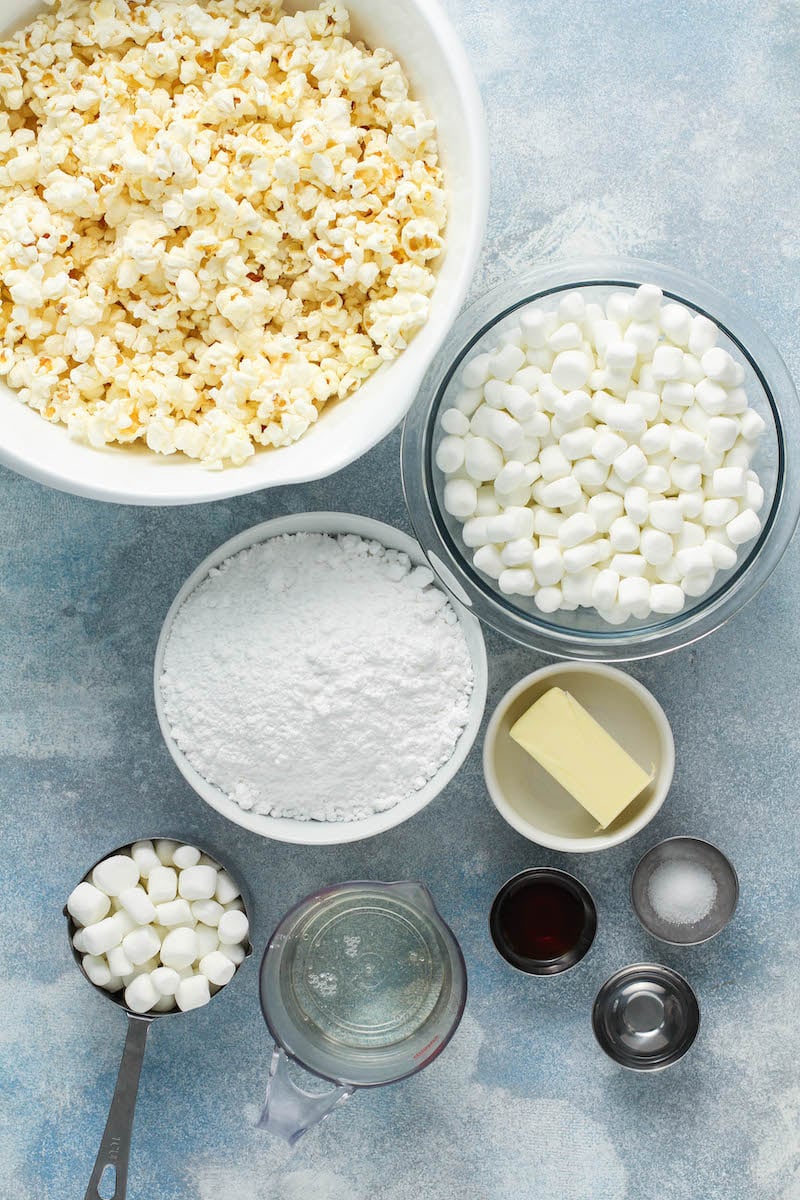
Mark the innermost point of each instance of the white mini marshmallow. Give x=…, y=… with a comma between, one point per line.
x=754, y=495
x=115, y=874
x=518, y=553
x=165, y=848
x=497, y=426
x=736, y=402
x=188, y=856
x=165, y=980
x=528, y=379
x=711, y=397
x=506, y=362
x=233, y=927
x=450, y=452
x=576, y=589
x=646, y=302
x=87, y=904
x=740, y=454
x=621, y=355
x=217, y=968
x=475, y=372
x=655, y=480
x=743, y=527
x=617, y=614
x=678, y=393
x=482, y=458
x=546, y=523
x=625, y=418
x=691, y=503
x=570, y=410
x=702, y=335
x=141, y=944
x=691, y=535
x=207, y=939
x=655, y=439
x=667, y=362
x=752, y=425
x=536, y=324
x=720, y=366
x=644, y=335
x=648, y=402
x=570, y=369
x=467, y=401
x=553, y=464
x=695, y=419
x=719, y=512
x=179, y=947
x=565, y=337
x=576, y=529
x=118, y=962
x=514, y=475
x=197, y=883
x=668, y=572
x=453, y=422
x=590, y=473
x=578, y=558
x=513, y=523
x=628, y=565
x=548, y=565
x=487, y=559
x=634, y=593
x=561, y=492
x=624, y=534
x=666, y=515
x=101, y=936
x=721, y=434
x=174, y=912
x=192, y=993
x=162, y=884
x=460, y=498
x=572, y=307
x=138, y=905
x=141, y=995
x=608, y=446
x=618, y=307
x=723, y=555
x=699, y=583
x=475, y=532
x=656, y=547
x=695, y=560
x=577, y=444
x=537, y=426
x=676, y=321
x=686, y=446
x=637, y=502
x=666, y=598
x=517, y=581
x=97, y=969
x=605, y=508
x=729, y=481
x=604, y=589
x=685, y=476
x=630, y=463
x=548, y=599
x=144, y=855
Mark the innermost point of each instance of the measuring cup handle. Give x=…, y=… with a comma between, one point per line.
x=116, y=1144
x=288, y=1110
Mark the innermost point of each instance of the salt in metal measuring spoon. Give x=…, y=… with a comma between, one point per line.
x=114, y=1153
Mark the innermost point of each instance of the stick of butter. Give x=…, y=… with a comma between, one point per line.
x=570, y=745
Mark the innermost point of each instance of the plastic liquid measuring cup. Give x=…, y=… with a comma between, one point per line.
x=361, y=984
x=111, y=1165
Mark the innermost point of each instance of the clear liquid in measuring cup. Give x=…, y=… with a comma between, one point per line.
x=367, y=970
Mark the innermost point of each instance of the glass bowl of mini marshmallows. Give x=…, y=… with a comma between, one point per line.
x=602, y=463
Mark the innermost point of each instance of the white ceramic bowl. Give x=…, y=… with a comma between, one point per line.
x=319, y=833
x=531, y=800
x=424, y=41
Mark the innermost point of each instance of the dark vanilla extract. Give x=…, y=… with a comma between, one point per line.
x=538, y=919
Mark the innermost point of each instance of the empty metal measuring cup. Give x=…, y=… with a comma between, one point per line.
x=361, y=984
x=111, y=1164
x=646, y=1017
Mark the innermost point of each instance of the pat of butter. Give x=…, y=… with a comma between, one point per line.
x=580, y=755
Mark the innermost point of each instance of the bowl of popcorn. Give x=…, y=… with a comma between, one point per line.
x=232, y=236
x=604, y=462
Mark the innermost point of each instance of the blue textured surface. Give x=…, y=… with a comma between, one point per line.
x=665, y=130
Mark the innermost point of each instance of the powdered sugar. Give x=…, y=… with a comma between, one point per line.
x=317, y=677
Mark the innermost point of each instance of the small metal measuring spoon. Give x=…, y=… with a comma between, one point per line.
x=114, y=1153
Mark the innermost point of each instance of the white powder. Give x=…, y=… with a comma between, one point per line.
x=682, y=892
x=317, y=677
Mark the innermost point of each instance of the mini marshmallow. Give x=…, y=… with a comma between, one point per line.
x=87, y=904
x=624, y=534
x=217, y=968
x=605, y=508
x=513, y=523
x=646, y=302
x=179, y=947
x=536, y=324
x=496, y=426
x=517, y=581
x=740, y=454
x=630, y=463
x=752, y=425
x=723, y=555
x=528, y=379
x=754, y=495
x=467, y=401
x=547, y=524
x=621, y=355
x=506, y=362
x=233, y=927
x=618, y=307
x=141, y=995
x=482, y=458
x=729, y=481
x=644, y=335
x=721, y=434
x=602, y=401
x=711, y=461
x=561, y=492
x=637, y=503
x=475, y=532
x=590, y=473
x=548, y=599
x=628, y=565
x=145, y=857
x=648, y=402
x=655, y=480
x=695, y=419
x=570, y=369
x=576, y=529
x=695, y=560
x=578, y=558
x=116, y=874
x=453, y=422
x=192, y=993
x=743, y=527
x=608, y=447
x=186, y=856
x=690, y=535
x=577, y=444
x=676, y=321
x=537, y=426
x=699, y=583
x=162, y=884
x=720, y=366
x=197, y=883
x=702, y=335
x=634, y=593
x=100, y=937
x=615, y=484
x=736, y=401
x=666, y=598
x=565, y=337
x=656, y=547
x=165, y=980
x=572, y=307
x=655, y=439
x=548, y=566
x=667, y=362
x=96, y=968
x=450, y=453
x=475, y=372
x=711, y=397
x=236, y=953
x=118, y=962
x=719, y=512
x=604, y=588
x=576, y=589
x=165, y=848
x=668, y=572
x=518, y=553
x=686, y=446
x=460, y=498
x=625, y=418
x=617, y=614
x=174, y=912
x=553, y=464
x=141, y=944
x=138, y=905
x=678, y=393
x=207, y=939
x=685, y=476
x=666, y=515
x=487, y=559
x=570, y=411
x=691, y=503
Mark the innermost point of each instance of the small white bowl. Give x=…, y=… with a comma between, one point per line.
x=426, y=44
x=531, y=800
x=324, y=833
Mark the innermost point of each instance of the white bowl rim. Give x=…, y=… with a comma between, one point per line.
x=664, y=773
x=204, y=486
x=323, y=833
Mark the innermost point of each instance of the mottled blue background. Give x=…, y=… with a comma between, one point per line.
x=664, y=129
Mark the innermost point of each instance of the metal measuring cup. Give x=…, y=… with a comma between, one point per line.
x=114, y=1153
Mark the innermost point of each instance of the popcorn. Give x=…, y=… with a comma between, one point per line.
x=201, y=248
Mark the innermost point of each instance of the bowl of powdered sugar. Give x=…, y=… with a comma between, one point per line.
x=313, y=684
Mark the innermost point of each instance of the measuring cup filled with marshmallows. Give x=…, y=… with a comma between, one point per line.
x=362, y=984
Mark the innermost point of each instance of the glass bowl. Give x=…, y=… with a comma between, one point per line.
x=583, y=633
